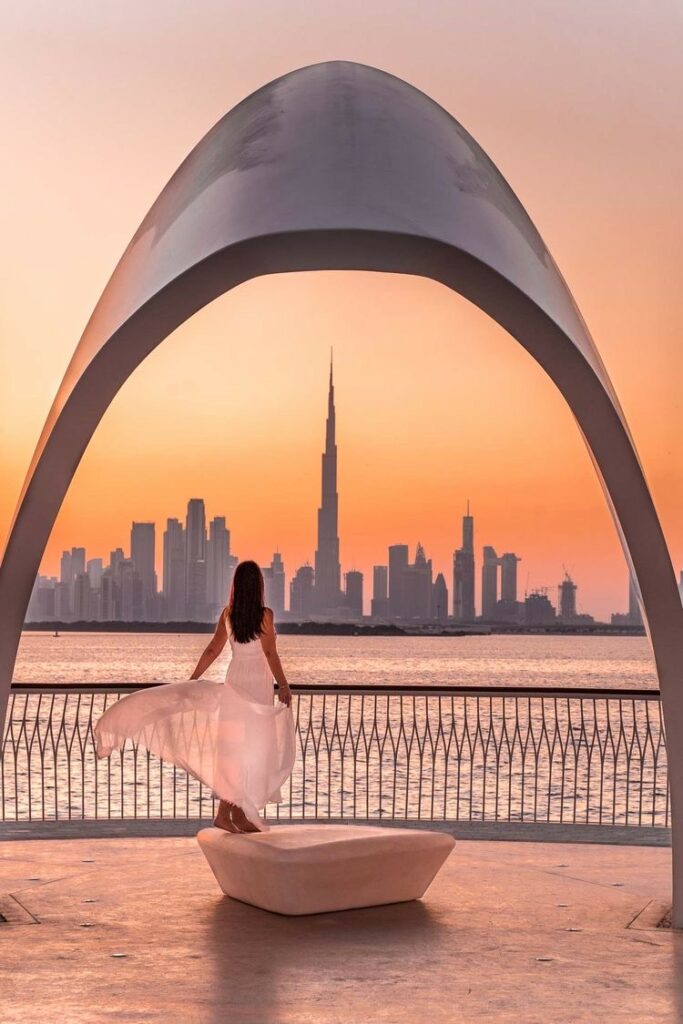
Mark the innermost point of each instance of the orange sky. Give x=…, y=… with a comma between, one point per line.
x=576, y=103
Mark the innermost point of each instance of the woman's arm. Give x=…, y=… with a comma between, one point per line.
x=213, y=648
x=269, y=645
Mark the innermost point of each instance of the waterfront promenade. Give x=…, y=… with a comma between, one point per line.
x=137, y=930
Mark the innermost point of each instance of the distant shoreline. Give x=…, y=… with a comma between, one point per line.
x=341, y=629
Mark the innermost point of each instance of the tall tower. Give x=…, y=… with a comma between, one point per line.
x=64, y=602
x=463, y=572
x=142, y=548
x=301, y=592
x=508, y=577
x=174, y=571
x=380, y=592
x=354, y=592
x=440, y=600
x=327, y=595
x=195, y=560
x=218, y=573
x=398, y=563
x=489, y=584
x=77, y=562
x=567, y=599
x=417, y=587
x=274, y=579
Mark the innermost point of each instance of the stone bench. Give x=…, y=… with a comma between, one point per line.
x=310, y=869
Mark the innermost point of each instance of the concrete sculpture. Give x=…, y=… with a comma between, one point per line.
x=341, y=166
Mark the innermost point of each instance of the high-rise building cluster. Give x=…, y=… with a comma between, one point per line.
x=197, y=573
x=198, y=565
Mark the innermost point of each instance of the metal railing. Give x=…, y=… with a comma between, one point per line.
x=576, y=756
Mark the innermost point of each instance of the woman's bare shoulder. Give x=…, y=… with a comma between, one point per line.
x=268, y=623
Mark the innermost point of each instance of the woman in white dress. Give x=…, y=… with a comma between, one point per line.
x=228, y=735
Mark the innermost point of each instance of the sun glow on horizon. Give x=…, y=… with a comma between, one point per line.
x=435, y=403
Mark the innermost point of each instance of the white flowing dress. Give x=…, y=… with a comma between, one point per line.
x=228, y=735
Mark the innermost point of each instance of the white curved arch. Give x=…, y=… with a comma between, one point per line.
x=341, y=166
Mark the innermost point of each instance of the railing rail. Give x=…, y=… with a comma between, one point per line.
x=363, y=688
x=400, y=753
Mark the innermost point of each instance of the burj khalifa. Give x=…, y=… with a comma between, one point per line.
x=328, y=595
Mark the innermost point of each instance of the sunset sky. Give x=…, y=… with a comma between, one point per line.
x=578, y=104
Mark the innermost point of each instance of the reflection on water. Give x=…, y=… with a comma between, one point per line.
x=597, y=661
x=385, y=755
x=433, y=757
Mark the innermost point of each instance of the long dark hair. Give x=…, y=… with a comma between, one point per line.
x=245, y=607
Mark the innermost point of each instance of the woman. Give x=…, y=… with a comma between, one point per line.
x=229, y=736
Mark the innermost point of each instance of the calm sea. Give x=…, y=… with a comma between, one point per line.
x=50, y=768
x=568, y=661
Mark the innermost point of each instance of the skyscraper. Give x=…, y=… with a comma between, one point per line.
x=72, y=564
x=354, y=593
x=195, y=561
x=417, y=588
x=82, y=597
x=489, y=584
x=508, y=608
x=142, y=544
x=567, y=599
x=77, y=569
x=174, y=571
x=109, y=599
x=65, y=575
x=508, y=576
x=111, y=586
x=115, y=558
x=379, y=608
x=95, y=570
x=538, y=611
x=463, y=573
x=41, y=606
x=327, y=593
x=301, y=592
x=274, y=579
x=130, y=591
x=398, y=561
x=63, y=600
x=77, y=562
x=218, y=566
x=440, y=600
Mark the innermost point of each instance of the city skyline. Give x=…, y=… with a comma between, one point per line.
x=198, y=564
x=385, y=298
x=467, y=583
x=435, y=402
x=194, y=588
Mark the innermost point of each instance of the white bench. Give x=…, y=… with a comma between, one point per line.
x=309, y=869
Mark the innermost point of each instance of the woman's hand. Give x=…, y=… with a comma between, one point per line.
x=269, y=647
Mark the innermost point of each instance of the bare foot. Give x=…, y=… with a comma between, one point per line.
x=223, y=820
x=239, y=818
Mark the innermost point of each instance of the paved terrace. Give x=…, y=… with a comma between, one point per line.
x=136, y=930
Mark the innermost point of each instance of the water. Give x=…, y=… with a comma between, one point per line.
x=620, y=662
x=430, y=756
